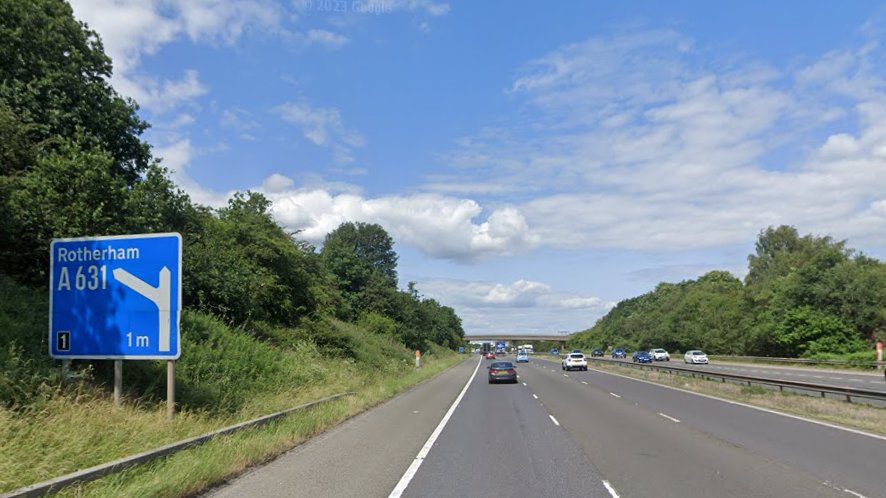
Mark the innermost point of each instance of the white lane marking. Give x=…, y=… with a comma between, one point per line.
x=802, y=375
x=672, y=419
x=616, y=395
x=554, y=420
x=737, y=403
x=524, y=383
x=413, y=467
x=585, y=383
x=534, y=396
x=610, y=489
x=836, y=378
x=856, y=380
x=859, y=495
x=564, y=375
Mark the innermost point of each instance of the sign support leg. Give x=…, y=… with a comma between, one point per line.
x=66, y=369
x=118, y=381
x=170, y=389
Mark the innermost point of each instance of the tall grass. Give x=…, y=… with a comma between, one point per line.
x=50, y=426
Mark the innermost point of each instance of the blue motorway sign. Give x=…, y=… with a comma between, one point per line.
x=116, y=297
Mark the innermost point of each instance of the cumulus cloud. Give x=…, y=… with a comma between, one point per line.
x=638, y=142
x=277, y=183
x=177, y=156
x=531, y=306
x=131, y=29
x=441, y=227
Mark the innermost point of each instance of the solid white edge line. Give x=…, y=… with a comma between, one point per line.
x=413, y=467
x=554, y=420
x=616, y=395
x=610, y=489
x=859, y=495
x=767, y=410
x=672, y=419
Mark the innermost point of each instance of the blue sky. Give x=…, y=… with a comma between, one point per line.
x=535, y=162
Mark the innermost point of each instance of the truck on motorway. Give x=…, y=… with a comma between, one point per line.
x=527, y=348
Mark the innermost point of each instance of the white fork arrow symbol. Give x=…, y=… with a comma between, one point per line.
x=161, y=296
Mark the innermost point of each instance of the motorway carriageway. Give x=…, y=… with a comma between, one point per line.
x=561, y=433
x=873, y=381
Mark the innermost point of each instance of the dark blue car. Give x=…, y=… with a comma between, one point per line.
x=619, y=353
x=642, y=357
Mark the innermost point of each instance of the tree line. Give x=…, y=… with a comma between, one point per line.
x=803, y=296
x=73, y=163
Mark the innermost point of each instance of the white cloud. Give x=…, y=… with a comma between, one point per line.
x=161, y=96
x=327, y=39
x=634, y=144
x=277, y=183
x=441, y=227
x=177, y=157
x=131, y=29
x=323, y=127
x=239, y=119
x=531, y=306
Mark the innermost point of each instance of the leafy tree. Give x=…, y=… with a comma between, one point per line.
x=806, y=332
x=54, y=76
x=361, y=257
x=240, y=262
x=70, y=192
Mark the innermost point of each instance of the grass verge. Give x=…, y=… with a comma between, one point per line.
x=859, y=416
x=195, y=470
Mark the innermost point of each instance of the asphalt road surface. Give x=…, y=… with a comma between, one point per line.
x=846, y=378
x=570, y=434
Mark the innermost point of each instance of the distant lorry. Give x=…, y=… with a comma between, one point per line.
x=500, y=347
x=527, y=348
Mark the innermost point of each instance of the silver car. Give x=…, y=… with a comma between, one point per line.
x=695, y=357
x=660, y=355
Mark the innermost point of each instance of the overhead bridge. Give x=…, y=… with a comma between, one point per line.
x=514, y=339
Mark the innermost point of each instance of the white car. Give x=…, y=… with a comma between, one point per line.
x=695, y=357
x=574, y=361
x=660, y=355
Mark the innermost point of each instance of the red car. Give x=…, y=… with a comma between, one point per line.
x=490, y=355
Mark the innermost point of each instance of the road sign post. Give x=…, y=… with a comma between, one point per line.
x=116, y=298
x=879, y=351
x=118, y=382
x=418, y=359
x=170, y=389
